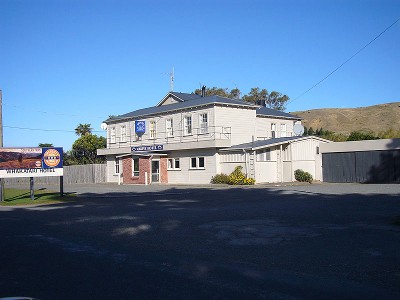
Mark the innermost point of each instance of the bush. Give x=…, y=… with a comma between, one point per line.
x=220, y=179
x=302, y=176
x=237, y=177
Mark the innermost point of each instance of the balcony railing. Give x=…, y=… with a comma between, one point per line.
x=176, y=136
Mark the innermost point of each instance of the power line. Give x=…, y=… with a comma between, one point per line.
x=40, y=129
x=52, y=113
x=346, y=61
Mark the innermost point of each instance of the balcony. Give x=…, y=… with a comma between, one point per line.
x=205, y=137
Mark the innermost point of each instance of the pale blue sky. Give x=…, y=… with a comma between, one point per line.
x=68, y=62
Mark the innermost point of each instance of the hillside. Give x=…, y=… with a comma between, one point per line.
x=375, y=118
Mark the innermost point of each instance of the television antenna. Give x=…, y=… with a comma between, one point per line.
x=171, y=79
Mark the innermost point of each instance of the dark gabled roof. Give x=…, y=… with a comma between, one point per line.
x=263, y=143
x=185, y=97
x=269, y=112
x=194, y=102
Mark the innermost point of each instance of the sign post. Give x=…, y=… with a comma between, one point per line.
x=31, y=188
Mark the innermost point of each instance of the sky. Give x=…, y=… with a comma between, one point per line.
x=66, y=62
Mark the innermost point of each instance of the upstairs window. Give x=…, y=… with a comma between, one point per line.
x=112, y=135
x=273, y=130
x=283, y=130
x=153, y=130
x=203, y=123
x=123, y=134
x=170, y=127
x=187, y=125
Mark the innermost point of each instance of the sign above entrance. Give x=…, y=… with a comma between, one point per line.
x=147, y=148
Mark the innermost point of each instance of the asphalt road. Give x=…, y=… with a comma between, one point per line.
x=329, y=241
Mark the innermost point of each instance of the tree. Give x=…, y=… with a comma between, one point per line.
x=83, y=129
x=222, y=92
x=274, y=100
x=305, y=133
x=359, y=136
x=311, y=131
x=84, y=149
x=45, y=145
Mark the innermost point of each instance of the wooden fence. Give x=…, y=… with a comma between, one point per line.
x=88, y=174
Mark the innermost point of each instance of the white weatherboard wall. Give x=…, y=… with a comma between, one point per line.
x=241, y=121
x=266, y=171
x=111, y=176
x=263, y=127
x=187, y=175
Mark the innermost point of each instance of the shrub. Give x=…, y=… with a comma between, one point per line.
x=302, y=176
x=220, y=179
x=237, y=177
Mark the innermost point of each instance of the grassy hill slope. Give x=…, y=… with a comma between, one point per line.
x=375, y=118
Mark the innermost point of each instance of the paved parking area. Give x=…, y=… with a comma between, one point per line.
x=320, y=241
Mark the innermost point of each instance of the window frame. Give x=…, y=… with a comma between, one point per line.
x=172, y=166
x=197, y=160
x=169, y=128
x=113, y=138
x=152, y=129
x=117, y=166
x=123, y=134
x=203, y=126
x=135, y=173
x=264, y=155
x=187, y=125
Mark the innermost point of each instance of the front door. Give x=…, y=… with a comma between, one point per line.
x=155, y=171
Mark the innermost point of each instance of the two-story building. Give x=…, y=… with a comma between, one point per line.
x=188, y=138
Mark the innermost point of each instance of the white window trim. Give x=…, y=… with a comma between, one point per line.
x=201, y=123
x=154, y=130
x=185, y=125
x=169, y=129
x=133, y=167
x=197, y=163
x=123, y=134
x=117, y=163
x=112, y=135
x=173, y=164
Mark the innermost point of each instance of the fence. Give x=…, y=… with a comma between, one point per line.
x=95, y=173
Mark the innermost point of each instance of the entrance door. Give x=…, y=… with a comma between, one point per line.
x=155, y=171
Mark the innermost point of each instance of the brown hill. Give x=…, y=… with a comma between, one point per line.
x=375, y=118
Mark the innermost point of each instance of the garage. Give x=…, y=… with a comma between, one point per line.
x=374, y=161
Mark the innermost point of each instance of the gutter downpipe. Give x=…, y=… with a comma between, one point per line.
x=245, y=162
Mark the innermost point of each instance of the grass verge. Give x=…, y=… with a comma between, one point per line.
x=42, y=196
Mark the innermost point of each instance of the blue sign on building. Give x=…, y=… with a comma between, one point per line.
x=147, y=148
x=140, y=127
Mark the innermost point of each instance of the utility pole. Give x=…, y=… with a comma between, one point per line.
x=1, y=144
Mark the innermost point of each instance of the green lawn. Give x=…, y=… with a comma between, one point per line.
x=42, y=196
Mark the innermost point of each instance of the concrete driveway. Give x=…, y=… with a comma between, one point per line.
x=325, y=241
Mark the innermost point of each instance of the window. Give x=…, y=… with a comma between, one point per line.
x=153, y=130
x=174, y=164
x=273, y=130
x=203, y=123
x=197, y=163
x=187, y=124
x=116, y=166
x=123, y=134
x=283, y=130
x=170, y=127
x=135, y=166
x=264, y=155
x=112, y=135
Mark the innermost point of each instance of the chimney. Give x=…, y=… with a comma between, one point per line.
x=203, y=91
